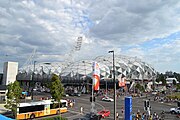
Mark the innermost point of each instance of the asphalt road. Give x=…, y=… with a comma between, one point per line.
x=138, y=104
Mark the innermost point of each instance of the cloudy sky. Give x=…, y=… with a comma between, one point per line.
x=147, y=29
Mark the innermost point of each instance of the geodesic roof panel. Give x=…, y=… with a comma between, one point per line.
x=131, y=67
x=84, y=68
x=44, y=68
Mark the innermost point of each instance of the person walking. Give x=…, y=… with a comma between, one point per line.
x=81, y=110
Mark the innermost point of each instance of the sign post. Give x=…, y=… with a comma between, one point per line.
x=128, y=108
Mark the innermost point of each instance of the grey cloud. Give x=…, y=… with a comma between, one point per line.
x=52, y=27
x=128, y=20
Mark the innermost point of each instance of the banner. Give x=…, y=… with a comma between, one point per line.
x=96, y=76
x=122, y=80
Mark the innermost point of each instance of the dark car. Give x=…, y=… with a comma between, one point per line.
x=77, y=94
x=93, y=116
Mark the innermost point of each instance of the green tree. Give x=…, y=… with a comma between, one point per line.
x=161, y=77
x=13, y=97
x=139, y=87
x=56, y=89
x=177, y=86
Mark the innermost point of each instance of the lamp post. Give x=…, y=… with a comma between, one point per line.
x=114, y=81
x=48, y=63
x=33, y=81
x=42, y=77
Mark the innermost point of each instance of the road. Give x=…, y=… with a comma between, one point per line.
x=138, y=104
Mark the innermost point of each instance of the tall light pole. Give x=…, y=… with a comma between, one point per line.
x=42, y=70
x=48, y=63
x=114, y=81
x=33, y=81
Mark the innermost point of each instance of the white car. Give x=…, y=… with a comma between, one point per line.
x=108, y=99
x=175, y=110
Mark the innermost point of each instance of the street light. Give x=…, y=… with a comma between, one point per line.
x=114, y=81
x=42, y=76
x=48, y=63
x=33, y=81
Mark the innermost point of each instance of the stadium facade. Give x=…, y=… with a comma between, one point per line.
x=130, y=67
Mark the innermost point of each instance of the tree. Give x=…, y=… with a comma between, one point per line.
x=177, y=86
x=13, y=97
x=139, y=87
x=161, y=77
x=56, y=89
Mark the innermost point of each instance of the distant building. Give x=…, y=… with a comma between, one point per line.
x=9, y=75
x=2, y=92
x=9, y=72
x=170, y=80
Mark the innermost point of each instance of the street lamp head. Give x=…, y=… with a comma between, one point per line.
x=47, y=63
x=111, y=51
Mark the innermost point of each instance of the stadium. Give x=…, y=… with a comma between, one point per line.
x=79, y=73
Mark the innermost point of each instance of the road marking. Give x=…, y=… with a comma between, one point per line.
x=100, y=105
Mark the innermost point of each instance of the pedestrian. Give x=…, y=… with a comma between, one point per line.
x=117, y=115
x=74, y=101
x=133, y=116
x=137, y=115
x=143, y=116
x=81, y=110
x=150, y=117
x=122, y=111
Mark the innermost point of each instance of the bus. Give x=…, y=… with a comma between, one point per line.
x=40, y=108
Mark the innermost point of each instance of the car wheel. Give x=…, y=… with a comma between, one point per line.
x=172, y=112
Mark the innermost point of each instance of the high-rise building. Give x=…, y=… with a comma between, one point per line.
x=9, y=72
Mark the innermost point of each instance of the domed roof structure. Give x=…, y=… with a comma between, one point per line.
x=131, y=67
x=84, y=68
x=44, y=68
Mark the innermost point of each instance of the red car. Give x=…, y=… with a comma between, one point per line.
x=104, y=113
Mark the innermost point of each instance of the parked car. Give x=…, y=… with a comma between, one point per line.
x=154, y=92
x=93, y=116
x=77, y=94
x=65, y=95
x=175, y=110
x=104, y=113
x=108, y=99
